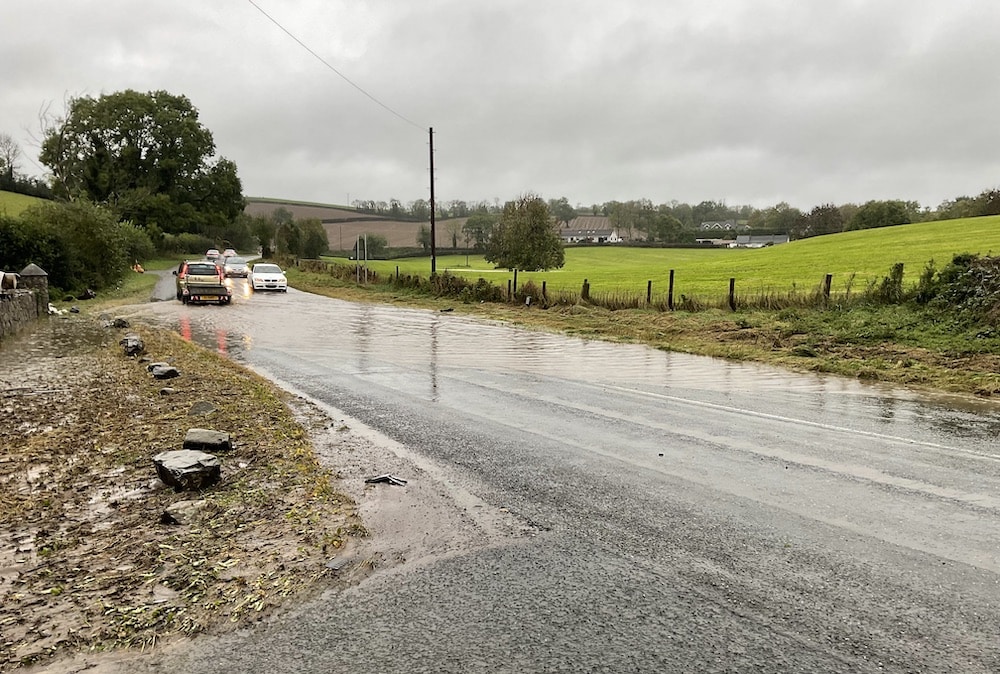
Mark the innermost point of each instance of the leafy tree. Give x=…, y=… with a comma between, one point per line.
x=424, y=237
x=95, y=250
x=825, y=219
x=420, y=210
x=478, y=229
x=712, y=211
x=314, y=239
x=561, y=209
x=377, y=245
x=880, y=214
x=525, y=237
x=23, y=242
x=780, y=218
x=960, y=207
x=988, y=202
x=147, y=157
x=666, y=228
x=288, y=239
x=263, y=229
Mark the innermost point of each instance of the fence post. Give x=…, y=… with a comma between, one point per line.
x=670, y=292
x=649, y=292
x=585, y=290
x=544, y=296
x=826, y=287
x=732, y=294
x=397, y=272
x=515, y=280
x=510, y=295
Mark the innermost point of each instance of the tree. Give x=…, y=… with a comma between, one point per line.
x=780, y=218
x=314, y=239
x=880, y=214
x=9, y=152
x=376, y=245
x=988, y=202
x=263, y=228
x=562, y=210
x=525, y=237
x=424, y=237
x=825, y=219
x=420, y=209
x=288, y=239
x=478, y=229
x=663, y=226
x=94, y=249
x=454, y=228
x=147, y=157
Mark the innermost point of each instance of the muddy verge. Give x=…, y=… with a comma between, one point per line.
x=88, y=559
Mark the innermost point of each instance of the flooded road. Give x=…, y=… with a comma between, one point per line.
x=673, y=513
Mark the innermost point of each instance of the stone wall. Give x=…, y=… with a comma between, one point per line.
x=17, y=308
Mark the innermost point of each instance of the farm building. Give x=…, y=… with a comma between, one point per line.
x=590, y=236
x=758, y=241
x=590, y=229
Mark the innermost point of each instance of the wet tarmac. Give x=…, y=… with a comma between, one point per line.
x=674, y=513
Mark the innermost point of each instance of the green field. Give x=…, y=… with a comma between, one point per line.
x=853, y=258
x=14, y=204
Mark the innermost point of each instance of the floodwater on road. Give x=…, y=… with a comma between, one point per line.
x=730, y=517
x=417, y=346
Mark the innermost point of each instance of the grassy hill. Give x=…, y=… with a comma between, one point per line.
x=13, y=204
x=344, y=224
x=853, y=258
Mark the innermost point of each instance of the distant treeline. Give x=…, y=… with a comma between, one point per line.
x=678, y=223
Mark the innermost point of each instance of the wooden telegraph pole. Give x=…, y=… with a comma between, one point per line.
x=433, y=235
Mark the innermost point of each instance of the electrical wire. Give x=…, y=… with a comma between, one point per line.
x=339, y=74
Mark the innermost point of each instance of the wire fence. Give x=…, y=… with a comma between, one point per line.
x=888, y=290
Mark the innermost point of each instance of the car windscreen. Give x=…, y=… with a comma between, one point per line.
x=235, y=260
x=203, y=270
x=266, y=269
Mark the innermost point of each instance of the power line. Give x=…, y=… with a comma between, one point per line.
x=339, y=74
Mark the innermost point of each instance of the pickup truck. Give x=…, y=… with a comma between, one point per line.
x=200, y=282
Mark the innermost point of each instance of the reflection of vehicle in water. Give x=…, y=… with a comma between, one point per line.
x=199, y=282
x=265, y=276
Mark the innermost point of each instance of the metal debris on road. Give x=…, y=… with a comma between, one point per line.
x=391, y=479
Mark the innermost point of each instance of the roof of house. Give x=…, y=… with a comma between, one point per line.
x=582, y=222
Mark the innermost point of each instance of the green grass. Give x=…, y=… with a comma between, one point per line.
x=853, y=258
x=13, y=204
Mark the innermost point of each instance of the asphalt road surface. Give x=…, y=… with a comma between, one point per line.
x=575, y=506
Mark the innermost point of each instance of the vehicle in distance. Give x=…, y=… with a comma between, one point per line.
x=235, y=266
x=266, y=276
x=201, y=282
x=212, y=254
x=229, y=252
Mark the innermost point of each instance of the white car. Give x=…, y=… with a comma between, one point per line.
x=265, y=276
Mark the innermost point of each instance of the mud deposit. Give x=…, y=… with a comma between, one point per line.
x=86, y=560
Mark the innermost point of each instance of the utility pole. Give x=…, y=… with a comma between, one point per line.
x=433, y=236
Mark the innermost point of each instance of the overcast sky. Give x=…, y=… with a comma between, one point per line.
x=743, y=101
